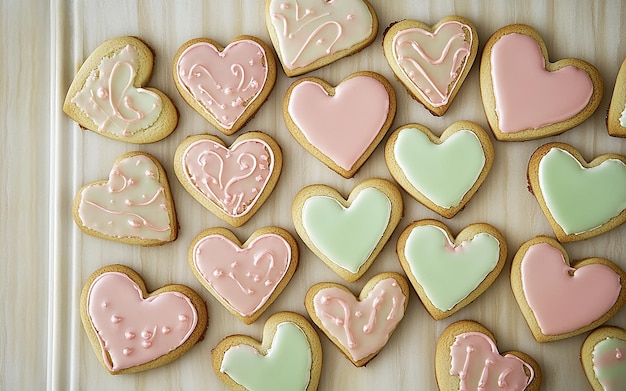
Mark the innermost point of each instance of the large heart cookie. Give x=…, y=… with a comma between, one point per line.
x=361, y=326
x=289, y=358
x=603, y=357
x=527, y=97
x=616, y=118
x=231, y=182
x=225, y=85
x=449, y=273
x=341, y=126
x=559, y=300
x=348, y=234
x=467, y=358
x=131, y=330
x=309, y=34
x=443, y=173
x=245, y=278
x=108, y=96
x=580, y=199
x=432, y=63
x=133, y=206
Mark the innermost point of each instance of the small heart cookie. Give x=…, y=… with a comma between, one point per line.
x=348, y=234
x=603, y=357
x=467, y=358
x=341, y=126
x=309, y=34
x=245, y=278
x=360, y=327
x=289, y=358
x=131, y=330
x=442, y=173
x=580, y=199
x=527, y=97
x=616, y=119
x=133, y=206
x=449, y=273
x=108, y=96
x=432, y=63
x=559, y=300
x=232, y=182
x=226, y=85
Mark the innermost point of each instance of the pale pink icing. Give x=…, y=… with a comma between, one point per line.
x=131, y=204
x=362, y=327
x=564, y=299
x=226, y=82
x=529, y=97
x=479, y=365
x=433, y=61
x=244, y=277
x=344, y=125
x=231, y=178
x=133, y=330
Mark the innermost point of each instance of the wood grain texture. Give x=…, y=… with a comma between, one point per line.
x=46, y=158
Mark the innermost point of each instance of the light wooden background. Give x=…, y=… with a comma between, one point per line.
x=45, y=158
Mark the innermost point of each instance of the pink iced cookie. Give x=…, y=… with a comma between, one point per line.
x=131, y=330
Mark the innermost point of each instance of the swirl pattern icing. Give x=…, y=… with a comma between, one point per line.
x=111, y=101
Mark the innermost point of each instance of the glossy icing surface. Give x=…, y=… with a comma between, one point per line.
x=609, y=363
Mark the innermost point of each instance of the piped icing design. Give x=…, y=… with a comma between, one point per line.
x=433, y=61
x=479, y=365
x=224, y=82
x=362, y=327
x=344, y=124
x=244, y=277
x=527, y=96
x=565, y=299
x=580, y=198
x=347, y=235
x=112, y=102
x=133, y=203
x=448, y=273
x=609, y=363
x=309, y=30
x=442, y=172
x=233, y=179
x=132, y=330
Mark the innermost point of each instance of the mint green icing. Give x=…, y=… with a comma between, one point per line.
x=286, y=366
x=622, y=119
x=347, y=236
x=581, y=199
x=449, y=274
x=609, y=363
x=444, y=172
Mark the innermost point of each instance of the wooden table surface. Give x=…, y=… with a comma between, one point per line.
x=45, y=258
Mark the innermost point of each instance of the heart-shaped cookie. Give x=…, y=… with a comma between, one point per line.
x=467, y=358
x=341, y=126
x=226, y=85
x=449, y=273
x=348, y=234
x=616, y=119
x=443, y=173
x=133, y=206
x=245, y=278
x=361, y=326
x=231, y=182
x=560, y=300
x=131, y=330
x=603, y=357
x=309, y=34
x=289, y=358
x=580, y=199
x=527, y=97
x=108, y=96
x=432, y=63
